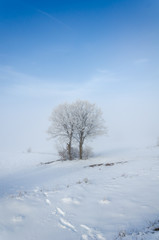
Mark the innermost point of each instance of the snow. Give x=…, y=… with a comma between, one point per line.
x=108, y=197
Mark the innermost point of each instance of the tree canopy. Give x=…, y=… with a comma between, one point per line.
x=76, y=123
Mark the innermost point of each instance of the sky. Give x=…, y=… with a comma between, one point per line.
x=103, y=51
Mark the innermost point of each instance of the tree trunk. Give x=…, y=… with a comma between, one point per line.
x=69, y=150
x=81, y=145
x=80, y=150
x=69, y=146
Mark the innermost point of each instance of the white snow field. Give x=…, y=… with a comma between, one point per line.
x=114, y=196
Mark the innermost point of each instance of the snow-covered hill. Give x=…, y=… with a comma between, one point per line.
x=114, y=196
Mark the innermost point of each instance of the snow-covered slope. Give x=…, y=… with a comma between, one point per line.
x=115, y=196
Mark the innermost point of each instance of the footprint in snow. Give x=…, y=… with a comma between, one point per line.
x=84, y=237
x=91, y=234
x=70, y=201
x=63, y=223
x=58, y=210
x=48, y=202
x=45, y=194
x=18, y=219
x=104, y=201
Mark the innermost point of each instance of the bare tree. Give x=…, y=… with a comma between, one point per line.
x=76, y=122
x=62, y=126
x=88, y=123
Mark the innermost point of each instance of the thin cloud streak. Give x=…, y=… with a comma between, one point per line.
x=9, y=75
x=142, y=60
x=54, y=19
x=20, y=84
x=102, y=70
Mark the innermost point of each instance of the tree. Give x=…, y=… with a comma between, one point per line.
x=76, y=123
x=88, y=123
x=62, y=126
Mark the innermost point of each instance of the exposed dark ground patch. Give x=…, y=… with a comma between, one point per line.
x=106, y=164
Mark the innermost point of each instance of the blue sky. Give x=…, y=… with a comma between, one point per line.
x=106, y=51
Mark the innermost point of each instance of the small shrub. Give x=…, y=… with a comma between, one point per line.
x=63, y=153
x=85, y=180
x=29, y=150
x=87, y=152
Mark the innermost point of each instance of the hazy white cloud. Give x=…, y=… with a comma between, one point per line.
x=103, y=70
x=20, y=84
x=10, y=75
x=141, y=60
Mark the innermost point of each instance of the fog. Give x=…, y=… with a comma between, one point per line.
x=130, y=112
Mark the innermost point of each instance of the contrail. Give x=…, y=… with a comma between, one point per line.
x=54, y=19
